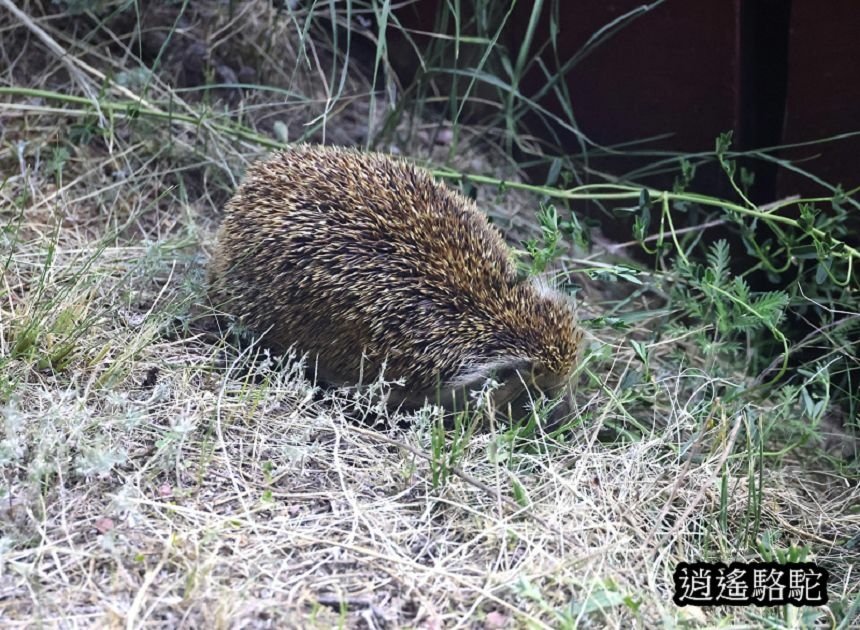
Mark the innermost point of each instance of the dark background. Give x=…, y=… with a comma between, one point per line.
x=775, y=72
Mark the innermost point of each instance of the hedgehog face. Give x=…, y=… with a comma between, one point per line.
x=519, y=387
x=520, y=382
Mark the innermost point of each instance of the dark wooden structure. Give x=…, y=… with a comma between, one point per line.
x=773, y=71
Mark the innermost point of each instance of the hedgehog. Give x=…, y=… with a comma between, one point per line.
x=371, y=267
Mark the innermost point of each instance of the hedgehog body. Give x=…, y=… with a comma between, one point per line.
x=361, y=260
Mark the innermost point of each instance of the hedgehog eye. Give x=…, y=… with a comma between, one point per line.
x=521, y=277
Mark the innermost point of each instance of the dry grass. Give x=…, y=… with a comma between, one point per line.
x=153, y=478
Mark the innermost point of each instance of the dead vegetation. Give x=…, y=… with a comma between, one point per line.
x=152, y=478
